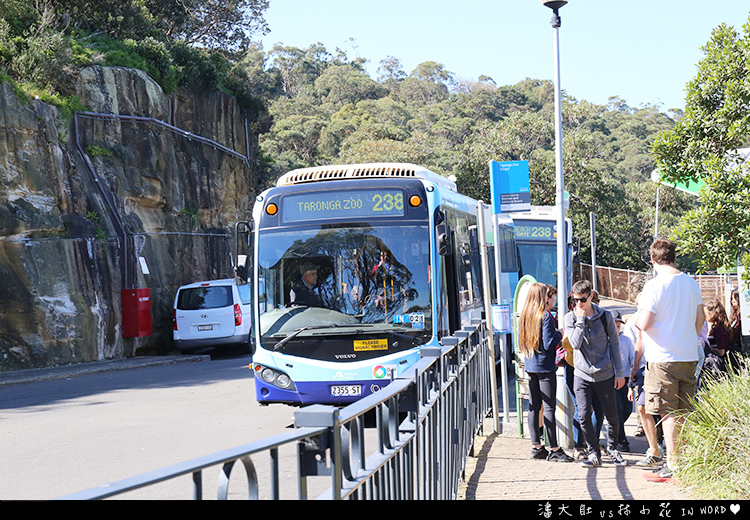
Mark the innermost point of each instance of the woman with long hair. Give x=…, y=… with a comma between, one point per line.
x=538, y=340
x=735, y=323
x=718, y=338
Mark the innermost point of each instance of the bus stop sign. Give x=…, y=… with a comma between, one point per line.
x=510, y=186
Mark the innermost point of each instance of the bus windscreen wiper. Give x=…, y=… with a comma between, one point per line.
x=294, y=334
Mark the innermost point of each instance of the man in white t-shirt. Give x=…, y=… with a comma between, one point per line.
x=670, y=316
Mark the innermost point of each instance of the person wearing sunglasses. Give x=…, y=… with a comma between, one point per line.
x=598, y=369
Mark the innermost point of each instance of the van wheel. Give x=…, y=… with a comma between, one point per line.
x=246, y=348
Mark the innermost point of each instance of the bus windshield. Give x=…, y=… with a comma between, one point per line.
x=339, y=279
x=538, y=259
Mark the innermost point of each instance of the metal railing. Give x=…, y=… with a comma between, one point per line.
x=425, y=426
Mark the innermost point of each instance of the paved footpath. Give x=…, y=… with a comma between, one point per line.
x=502, y=470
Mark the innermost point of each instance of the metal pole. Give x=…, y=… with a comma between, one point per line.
x=487, y=297
x=592, y=224
x=562, y=279
x=564, y=403
x=656, y=221
x=503, y=340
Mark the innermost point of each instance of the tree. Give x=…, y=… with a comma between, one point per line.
x=37, y=55
x=519, y=137
x=341, y=84
x=213, y=24
x=703, y=145
x=119, y=18
x=298, y=68
x=390, y=72
x=427, y=84
x=376, y=143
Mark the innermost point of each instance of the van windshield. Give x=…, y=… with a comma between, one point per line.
x=211, y=297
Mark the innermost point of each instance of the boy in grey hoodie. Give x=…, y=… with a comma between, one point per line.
x=597, y=360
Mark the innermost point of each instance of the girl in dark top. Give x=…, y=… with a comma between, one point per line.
x=538, y=340
x=718, y=338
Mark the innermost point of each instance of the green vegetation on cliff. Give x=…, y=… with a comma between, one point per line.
x=188, y=44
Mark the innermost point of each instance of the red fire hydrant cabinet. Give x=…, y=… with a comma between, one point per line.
x=136, y=313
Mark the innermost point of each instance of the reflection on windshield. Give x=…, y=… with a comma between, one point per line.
x=345, y=275
x=538, y=260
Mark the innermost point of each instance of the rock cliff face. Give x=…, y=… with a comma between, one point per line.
x=85, y=204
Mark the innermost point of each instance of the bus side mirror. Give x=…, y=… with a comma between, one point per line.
x=443, y=234
x=240, y=271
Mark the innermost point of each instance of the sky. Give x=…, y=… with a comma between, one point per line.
x=643, y=51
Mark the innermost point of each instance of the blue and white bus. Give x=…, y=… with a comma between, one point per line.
x=536, y=243
x=395, y=255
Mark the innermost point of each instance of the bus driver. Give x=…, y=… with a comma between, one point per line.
x=306, y=291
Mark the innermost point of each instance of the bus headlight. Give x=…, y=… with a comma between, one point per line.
x=267, y=375
x=274, y=377
x=283, y=381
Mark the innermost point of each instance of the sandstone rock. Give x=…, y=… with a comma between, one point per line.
x=72, y=227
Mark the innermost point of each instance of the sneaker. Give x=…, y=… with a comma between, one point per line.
x=664, y=472
x=539, y=453
x=619, y=461
x=639, y=432
x=649, y=461
x=582, y=454
x=559, y=456
x=592, y=462
x=623, y=447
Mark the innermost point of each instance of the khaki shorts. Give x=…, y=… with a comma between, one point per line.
x=669, y=387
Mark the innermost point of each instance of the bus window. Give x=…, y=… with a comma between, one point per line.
x=538, y=260
x=465, y=264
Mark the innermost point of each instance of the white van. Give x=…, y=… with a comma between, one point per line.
x=211, y=314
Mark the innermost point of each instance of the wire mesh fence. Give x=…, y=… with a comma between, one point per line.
x=625, y=285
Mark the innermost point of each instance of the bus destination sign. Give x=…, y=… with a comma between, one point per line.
x=535, y=230
x=328, y=205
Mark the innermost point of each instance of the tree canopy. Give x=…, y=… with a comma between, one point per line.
x=329, y=110
x=212, y=24
x=704, y=145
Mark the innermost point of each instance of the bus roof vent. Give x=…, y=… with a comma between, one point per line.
x=361, y=171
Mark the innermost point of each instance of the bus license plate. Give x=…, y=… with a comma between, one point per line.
x=346, y=390
x=205, y=327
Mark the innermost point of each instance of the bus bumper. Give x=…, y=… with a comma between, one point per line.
x=308, y=393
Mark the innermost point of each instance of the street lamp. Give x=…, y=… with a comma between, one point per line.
x=564, y=413
x=562, y=279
